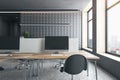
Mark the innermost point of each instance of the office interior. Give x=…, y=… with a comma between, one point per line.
x=89, y=24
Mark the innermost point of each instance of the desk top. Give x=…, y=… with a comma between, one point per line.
x=46, y=55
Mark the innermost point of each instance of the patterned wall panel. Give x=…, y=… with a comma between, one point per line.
x=52, y=23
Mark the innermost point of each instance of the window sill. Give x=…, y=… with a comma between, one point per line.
x=88, y=49
x=116, y=58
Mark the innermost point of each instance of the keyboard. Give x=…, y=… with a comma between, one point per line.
x=56, y=55
x=4, y=54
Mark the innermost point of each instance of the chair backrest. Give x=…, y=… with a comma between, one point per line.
x=75, y=64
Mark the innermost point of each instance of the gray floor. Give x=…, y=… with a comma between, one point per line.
x=47, y=71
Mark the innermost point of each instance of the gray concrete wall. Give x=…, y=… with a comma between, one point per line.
x=110, y=65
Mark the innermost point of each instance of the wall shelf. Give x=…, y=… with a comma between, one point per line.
x=46, y=24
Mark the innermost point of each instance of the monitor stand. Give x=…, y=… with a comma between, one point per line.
x=56, y=52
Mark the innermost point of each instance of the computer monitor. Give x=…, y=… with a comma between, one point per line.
x=56, y=43
x=9, y=44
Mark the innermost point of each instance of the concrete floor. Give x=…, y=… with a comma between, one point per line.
x=47, y=71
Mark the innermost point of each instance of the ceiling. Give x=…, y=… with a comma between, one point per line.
x=42, y=4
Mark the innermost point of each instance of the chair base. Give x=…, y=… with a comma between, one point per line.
x=71, y=77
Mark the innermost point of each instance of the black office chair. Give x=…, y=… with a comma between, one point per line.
x=74, y=64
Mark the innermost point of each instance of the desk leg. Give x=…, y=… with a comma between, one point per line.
x=25, y=69
x=96, y=70
x=38, y=65
x=25, y=74
x=43, y=65
x=87, y=68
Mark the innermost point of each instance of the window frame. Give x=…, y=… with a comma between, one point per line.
x=106, y=31
x=89, y=20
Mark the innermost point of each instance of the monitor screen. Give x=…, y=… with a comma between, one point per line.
x=56, y=43
x=9, y=43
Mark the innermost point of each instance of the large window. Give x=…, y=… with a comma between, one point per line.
x=113, y=26
x=90, y=27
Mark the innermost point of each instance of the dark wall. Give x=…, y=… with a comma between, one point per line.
x=9, y=24
x=110, y=65
x=3, y=27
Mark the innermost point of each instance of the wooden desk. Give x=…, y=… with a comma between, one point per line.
x=48, y=55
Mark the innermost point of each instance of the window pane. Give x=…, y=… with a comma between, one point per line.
x=111, y=2
x=90, y=14
x=113, y=23
x=90, y=34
